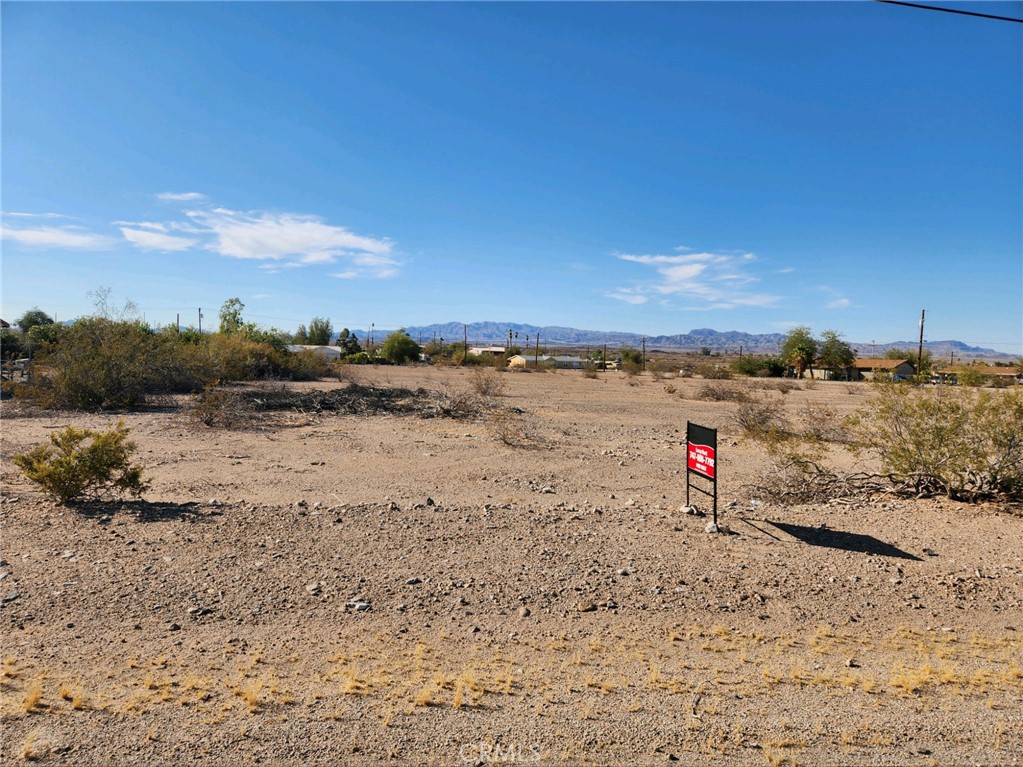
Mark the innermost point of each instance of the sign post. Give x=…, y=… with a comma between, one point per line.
x=701, y=461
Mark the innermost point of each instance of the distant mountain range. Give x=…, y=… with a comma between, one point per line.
x=496, y=333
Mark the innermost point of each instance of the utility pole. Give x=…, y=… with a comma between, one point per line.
x=200, y=320
x=536, y=357
x=604, y=365
x=644, y=355
x=920, y=350
x=740, y=352
x=465, y=343
x=177, y=321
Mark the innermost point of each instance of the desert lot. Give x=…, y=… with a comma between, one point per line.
x=517, y=588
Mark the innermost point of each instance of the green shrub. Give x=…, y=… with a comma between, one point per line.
x=102, y=364
x=81, y=463
x=965, y=444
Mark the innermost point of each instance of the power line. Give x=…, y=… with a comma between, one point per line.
x=950, y=10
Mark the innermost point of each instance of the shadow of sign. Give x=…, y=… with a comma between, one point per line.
x=146, y=511
x=838, y=539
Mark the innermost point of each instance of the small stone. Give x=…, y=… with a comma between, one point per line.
x=358, y=606
x=313, y=589
x=10, y=597
x=712, y=528
x=174, y=627
x=430, y=502
x=524, y=612
x=852, y=663
x=611, y=605
x=413, y=582
x=587, y=607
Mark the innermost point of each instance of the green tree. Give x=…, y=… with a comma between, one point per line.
x=320, y=331
x=399, y=348
x=32, y=318
x=800, y=349
x=629, y=354
x=301, y=336
x=348, y=342
x=231, y=316
x=835, y=354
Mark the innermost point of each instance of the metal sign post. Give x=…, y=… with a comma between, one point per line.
x=701, y=460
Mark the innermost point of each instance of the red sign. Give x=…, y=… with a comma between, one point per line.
x=701, y=460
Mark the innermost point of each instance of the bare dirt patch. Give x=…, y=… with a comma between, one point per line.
x=364, y=585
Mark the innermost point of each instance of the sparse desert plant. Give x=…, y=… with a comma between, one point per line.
x=965, y=444
x=718, y=392
x=713, y=372
x=590, y=371
x=487, y=382
x=761, y=415
x=220, y=407
x=823, y=424
x=509, y=427
x=82, y=463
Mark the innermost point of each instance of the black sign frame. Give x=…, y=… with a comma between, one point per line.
x=705, y=437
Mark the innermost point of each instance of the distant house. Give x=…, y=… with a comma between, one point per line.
x=868, y=368
x=330, y=352
x=565, y=362
x=994, y=373
x=487, y=351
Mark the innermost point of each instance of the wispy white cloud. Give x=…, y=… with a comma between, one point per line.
x=628, y=296
x=156, y=240
x=155, y=225
x=838, y=301
x=34, y=215
x=58, y=237
x=706, y=280
x=180, y=196
x=293, y=239
x=786, y=270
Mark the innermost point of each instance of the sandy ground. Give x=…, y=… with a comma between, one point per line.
x=516, y=589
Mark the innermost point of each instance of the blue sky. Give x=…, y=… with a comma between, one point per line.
x=650, y=167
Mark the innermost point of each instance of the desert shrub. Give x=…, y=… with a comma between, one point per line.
x=669, y=388
x=964, y=444
x=399, y=348
x=220, y=407
x=509, y=427
x=760, y=416
x=487, y=382
x=713, y=372
x=102, y=364
x=359, y=358
x=972, y=377
x=631, y=367
x=718, y=392
x=81, y=463
x=821, y=423
x=590, y=371
x=809, y=384
x=759, y=367
x=305, y=365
